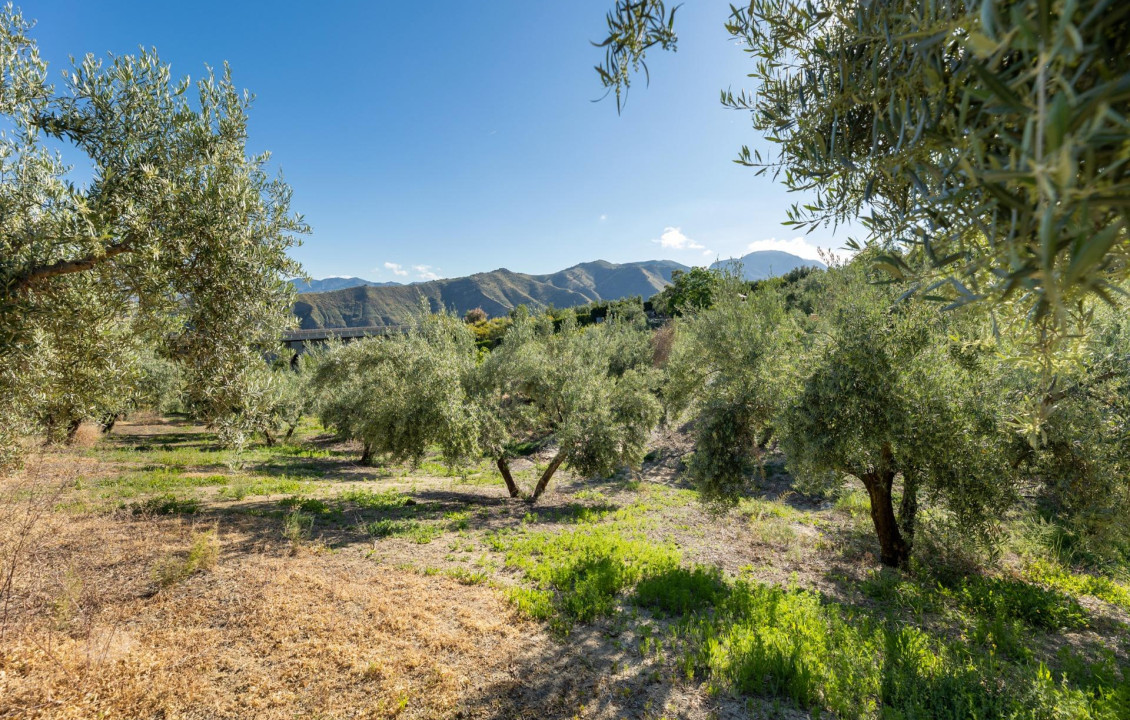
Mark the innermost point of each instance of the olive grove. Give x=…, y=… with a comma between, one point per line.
x=984, y=149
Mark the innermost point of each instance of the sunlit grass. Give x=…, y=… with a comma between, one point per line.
x=1103, y=588
x=244, y=487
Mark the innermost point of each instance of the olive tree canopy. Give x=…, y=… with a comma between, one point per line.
x=588, y=390
x=179, y=228
x=984, y=144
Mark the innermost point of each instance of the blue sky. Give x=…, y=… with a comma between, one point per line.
x=444, y=138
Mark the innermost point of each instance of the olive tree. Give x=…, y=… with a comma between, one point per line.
x=401, y=394
x=588, y=390
x=270, y=399
x=1082, y=460
x=729, y=369
x=159, y=386
x=689, y=291
x=179, y=228
x=894, y=390
x=77, y=368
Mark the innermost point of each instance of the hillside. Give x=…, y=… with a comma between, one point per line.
x=497, y=292
x=767, y=263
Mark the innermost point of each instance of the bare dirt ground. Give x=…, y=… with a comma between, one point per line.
x=157, y=576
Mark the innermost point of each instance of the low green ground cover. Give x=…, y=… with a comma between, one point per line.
x=983, y=657
x=891, y=645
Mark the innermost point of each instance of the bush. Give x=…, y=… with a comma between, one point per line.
x=475, y=316
x=1015, y=599
x=167, y=504
x=587, y=569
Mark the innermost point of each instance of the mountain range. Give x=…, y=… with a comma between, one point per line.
x=368, y=304
x=334, y=283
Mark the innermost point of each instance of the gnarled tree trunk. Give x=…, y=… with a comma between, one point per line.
x=545, y=476
x=893, y=549
x=367, y=454
x=504, y=468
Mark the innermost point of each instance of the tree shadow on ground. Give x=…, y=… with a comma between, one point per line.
x=358, y=519
x=595, y=672
x=165, y=441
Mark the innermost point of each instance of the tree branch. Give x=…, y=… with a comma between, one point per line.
x=1055, y=397
x=66, y=267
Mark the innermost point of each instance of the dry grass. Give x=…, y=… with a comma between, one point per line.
x=260, y=635
x=26, y=501
x=119, y=615
x=87, y=435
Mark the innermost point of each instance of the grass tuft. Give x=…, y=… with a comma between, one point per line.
x=201, y=556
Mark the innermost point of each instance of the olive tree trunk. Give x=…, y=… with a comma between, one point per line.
x=504, y=468
x=894, y=551
x=545, y=476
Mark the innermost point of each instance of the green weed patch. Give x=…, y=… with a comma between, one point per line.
x=587, y=569
x=418, y=532
x=1097, y=586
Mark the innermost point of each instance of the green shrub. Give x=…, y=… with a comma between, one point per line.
x=313, y=506
x=533, y=603
x=370, y=500
x=297, y=527
x=1015, y=599
x=588, y=568
x=458, y=521
x=418, y=532
x=1103, y=588
x=768, y=641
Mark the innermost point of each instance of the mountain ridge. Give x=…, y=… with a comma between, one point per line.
x=499, y=291
x=329, y=284
x=764, y=264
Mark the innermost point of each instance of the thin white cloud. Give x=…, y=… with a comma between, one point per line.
x=603, y=218
x=425, y=272
x=674, y=239
x=797, y=246
x=396, y=268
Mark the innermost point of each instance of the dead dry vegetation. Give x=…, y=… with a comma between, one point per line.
x=154, y=574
